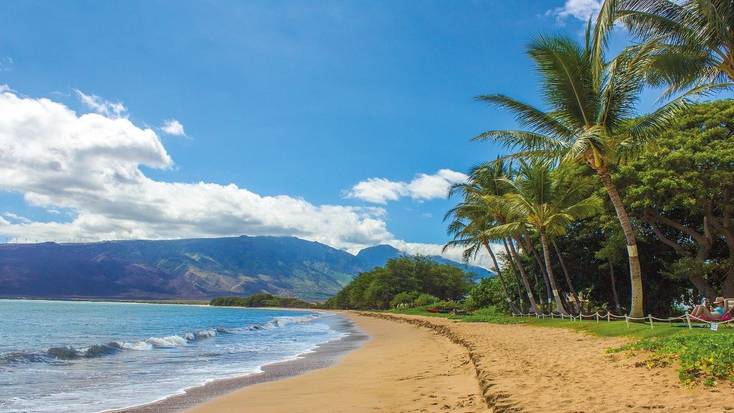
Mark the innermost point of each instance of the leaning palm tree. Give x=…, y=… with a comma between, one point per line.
x=591, y=120
x=481, y=208
x=546, y=206
x=469, y=224
x=691, y=42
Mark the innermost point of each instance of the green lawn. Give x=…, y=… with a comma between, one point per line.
x=702, y=355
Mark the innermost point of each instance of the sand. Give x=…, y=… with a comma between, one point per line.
x=576, y=374
x=426, y=364
x=400, y=369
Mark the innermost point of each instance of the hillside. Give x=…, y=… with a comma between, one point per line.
x=187, y=268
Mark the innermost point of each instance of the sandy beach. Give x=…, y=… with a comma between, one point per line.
x=400, y=369
x=420, y=364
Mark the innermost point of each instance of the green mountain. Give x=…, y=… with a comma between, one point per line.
x=182, y=269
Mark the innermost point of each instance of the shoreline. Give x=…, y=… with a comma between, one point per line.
x=401, y=369
x=321, y=356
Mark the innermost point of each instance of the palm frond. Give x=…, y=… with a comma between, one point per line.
x=529, y=116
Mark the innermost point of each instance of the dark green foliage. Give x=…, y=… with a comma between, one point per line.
x=260, y=300
x=378, y=288
x=487, y=292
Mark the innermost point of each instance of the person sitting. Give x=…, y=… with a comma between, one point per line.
x=716, y=314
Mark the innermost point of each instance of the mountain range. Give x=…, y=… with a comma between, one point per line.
x=187, y=268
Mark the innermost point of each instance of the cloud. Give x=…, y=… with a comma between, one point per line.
x=90, y=165
x=455, y=253
x=173, y=127
x=579, y=9
x=15, y=217
x=101, y=106
x=422, y=187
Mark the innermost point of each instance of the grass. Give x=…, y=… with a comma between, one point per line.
x=703, y=356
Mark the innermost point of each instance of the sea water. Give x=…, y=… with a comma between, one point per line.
x=61, y=356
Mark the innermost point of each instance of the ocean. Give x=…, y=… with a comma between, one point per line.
x=62, y=356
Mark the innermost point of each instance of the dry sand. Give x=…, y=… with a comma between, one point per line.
x=476, y=367
x=400, y=369
x=576, y=374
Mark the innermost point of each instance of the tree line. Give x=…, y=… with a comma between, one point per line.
x=589, y=182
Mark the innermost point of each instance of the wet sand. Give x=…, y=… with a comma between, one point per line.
x=324, y=355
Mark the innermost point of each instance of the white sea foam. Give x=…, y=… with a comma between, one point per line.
x=165, y=342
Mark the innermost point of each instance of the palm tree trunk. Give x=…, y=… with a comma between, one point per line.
x=575, y=296
x=512, y=305
x=524, y=278
x=551, y=278
x=528, y=245
x=515, y=273
x=636, y=305
x=614, y=286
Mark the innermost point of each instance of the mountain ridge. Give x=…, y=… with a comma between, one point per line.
x=197, y=268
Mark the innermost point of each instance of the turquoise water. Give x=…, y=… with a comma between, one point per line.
x=86, y=357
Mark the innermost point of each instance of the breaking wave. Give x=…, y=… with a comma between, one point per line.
x=66, y=353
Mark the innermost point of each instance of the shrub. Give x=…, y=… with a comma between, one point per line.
x=404, y=299
x=425, y=299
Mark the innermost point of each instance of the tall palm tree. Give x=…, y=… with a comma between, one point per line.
x=591, y=120
x=690, y=42
x=546, y=206
x=480, y=209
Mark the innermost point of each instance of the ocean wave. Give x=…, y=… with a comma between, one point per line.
x=66, y=353
x=283, y=321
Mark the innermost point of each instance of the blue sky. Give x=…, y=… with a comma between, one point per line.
x=292, y=99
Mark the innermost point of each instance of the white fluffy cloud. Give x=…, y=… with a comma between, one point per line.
x=579, y=9
x=101, y=106
x=173, y=127
x=456, y=254
x=84, y=169
x=422, y=187
x=89, y=164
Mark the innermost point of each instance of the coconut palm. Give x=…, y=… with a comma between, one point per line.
x=690, y=42
x=469, y=223
x=482, y=208
x=591, y=120
x=546, y=206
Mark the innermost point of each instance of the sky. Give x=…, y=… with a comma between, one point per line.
x=342, y=122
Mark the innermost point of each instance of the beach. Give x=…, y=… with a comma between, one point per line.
x=400, y=368
x=426, y=364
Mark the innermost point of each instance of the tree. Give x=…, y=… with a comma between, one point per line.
x=546, y=206
x=690, y=43
x=591, y=120
x=683, y=188
x=481, y=209
x=378, y=288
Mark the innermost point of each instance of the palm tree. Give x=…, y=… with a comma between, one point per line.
x=690, y=42
x=546, y=206
x=470, y=221
x=591, y=120
x=481, y=209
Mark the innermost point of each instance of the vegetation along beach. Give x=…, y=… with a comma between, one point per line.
x=393, y=207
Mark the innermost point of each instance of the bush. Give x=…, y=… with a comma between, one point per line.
x=425, y=299
x=487, y=293
x=404, y=299
x=448, y=305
